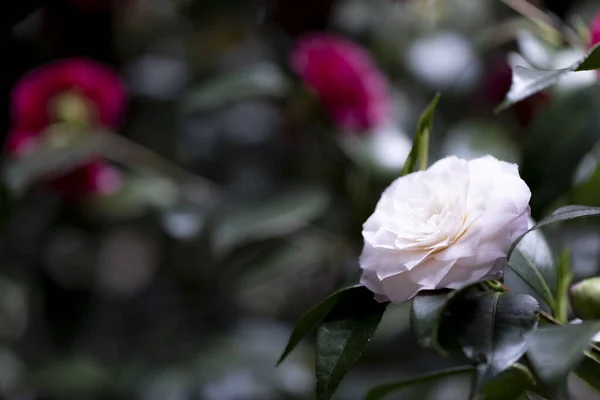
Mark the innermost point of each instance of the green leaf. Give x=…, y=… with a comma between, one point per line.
x=263, y=80
x=562, y=214
x=426, y=314
x=277, y=216
x=511, y=384
x=534, y=396
x=51, y=158
x=555, y=351
x=425, y=317
x=526, y=82
x=343, y=336
x=421, y=139
x=383, y=390
x=71, y=378
x=558, y=139
x=589, y=371
x=586, y=193
x=533, y=262
x=138, y=194
x=565, y=277
x=491, y=329
x=312, y=318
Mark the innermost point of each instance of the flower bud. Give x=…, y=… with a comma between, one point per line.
x=585, y=298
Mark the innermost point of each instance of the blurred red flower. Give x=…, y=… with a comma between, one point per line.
x=595, y=31
x=343, y=75
x=496, y=85
x=97, y=85
x=72, y=91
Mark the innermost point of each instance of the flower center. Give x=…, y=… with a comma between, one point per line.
x=72, y=108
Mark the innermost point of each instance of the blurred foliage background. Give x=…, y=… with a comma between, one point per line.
x=248, y=209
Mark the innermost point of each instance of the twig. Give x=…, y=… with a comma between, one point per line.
x=554, y=321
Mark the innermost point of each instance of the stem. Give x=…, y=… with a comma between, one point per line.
x=496, y=286
x=543, y=20
x=554, y=321
x=424, y=150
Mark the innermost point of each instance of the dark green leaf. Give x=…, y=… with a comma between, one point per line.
x=491, y=329
x=383, y=390
x=562, y=214
x=277, y=216
x=77, y=378
x=587, y=193
x=264, y=80
x=534, y=396
x=561, y=135
x=343, y=336
x=312, y=318
x=426, y=312
x=526, y=82
x=509, y=385
x=425, y=317
x=589, y=371
x=420, y=141
x=533, y=262
x=555, y=351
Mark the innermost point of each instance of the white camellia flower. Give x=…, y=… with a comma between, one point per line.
x=444, y=227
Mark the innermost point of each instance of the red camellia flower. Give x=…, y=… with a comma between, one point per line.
x=348, y=83
x=595, y=31
x=496, y=85
x=37, y=97
x=75, y=92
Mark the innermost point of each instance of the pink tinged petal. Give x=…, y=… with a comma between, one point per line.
x=459, y=276
x=384, y=262
x=399, y=288
x=430, y=273
x=370, y=281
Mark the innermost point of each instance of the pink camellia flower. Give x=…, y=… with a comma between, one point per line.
x=37, y=95
x=352, y=89
x=75, y=92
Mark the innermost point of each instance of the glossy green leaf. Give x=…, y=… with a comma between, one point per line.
x=562, y=214
x=509, y=385
x=263, y=80
x=533, y=262
x=277, y=216
x=343, y=336
x=491, y=328
x=425, y=317
x=312, y=318
x=561, y=135
x=426, y=313
x=381, y=391
x=526, y=82
x=421, y=139
x=555, y=351
x=589, y=370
